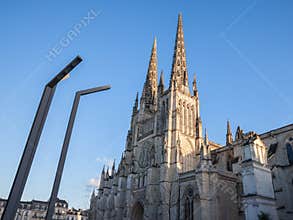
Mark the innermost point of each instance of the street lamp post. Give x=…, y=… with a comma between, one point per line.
x=32, y=142
x=66, y=141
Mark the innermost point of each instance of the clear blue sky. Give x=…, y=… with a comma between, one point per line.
x=241, y=52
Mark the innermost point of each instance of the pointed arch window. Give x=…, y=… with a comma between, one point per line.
x=188, y=204
x=184, y=112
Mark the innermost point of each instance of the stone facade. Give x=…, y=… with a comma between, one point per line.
x=170, y=170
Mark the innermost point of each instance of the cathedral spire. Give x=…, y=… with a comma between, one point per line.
x=161, y=86
x=229, y=138
x=149, y=93
x=179, y=76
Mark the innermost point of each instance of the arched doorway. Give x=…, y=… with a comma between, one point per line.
x=137, y=211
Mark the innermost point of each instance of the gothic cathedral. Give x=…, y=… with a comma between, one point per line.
x=171, y=170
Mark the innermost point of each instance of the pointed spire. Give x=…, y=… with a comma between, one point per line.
x=198, y=134
x=93, y=195
x=199, y=127
x=149, y=93
x=179, y=75
x=206, y=138
x=107, y=174
x=194, y=86
x=206, y=145
x=239, y=134
x=102, y=179
x=135, y=106
x=161, y=86
x=152, y=70
x=229, y=138
x=113, y=169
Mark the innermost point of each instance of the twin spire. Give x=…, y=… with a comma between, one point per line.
x=150, y=88
x=179, y=76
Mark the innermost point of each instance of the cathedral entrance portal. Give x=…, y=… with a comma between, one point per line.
x=137, y=212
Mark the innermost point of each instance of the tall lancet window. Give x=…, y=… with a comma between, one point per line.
x=189, y=119
x=188, y=204
x=185, y=118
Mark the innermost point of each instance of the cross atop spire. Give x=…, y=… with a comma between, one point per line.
x=149, y=93
x=179, y=76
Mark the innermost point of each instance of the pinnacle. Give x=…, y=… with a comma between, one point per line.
x=206, y=137
x=228, y=128
x=229, y=138
x=161, y=79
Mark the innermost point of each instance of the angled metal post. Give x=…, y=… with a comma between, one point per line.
x=32, y=142
x=58, y=176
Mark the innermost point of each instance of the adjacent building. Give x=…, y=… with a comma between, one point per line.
x=170, y=169
x=36, y=210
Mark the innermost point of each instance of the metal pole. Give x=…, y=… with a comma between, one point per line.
x=58, y=176
x=32, y=142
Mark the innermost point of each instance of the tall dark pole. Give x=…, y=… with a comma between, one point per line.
x=32, y=142
x=66, y=141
